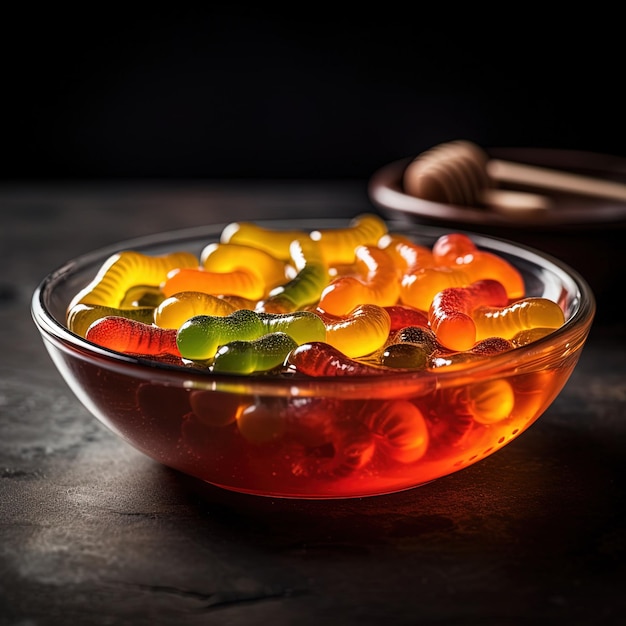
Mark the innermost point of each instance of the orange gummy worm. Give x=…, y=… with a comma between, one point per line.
x=376, y=282
x=221, y=257
x=458, y=250
x=419, y=287
x=238, y=282
x=407, y=255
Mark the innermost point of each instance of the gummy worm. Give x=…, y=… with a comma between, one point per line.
x=275, y=242
x=221, y=257
x=81, y=316
x=347, y=450
x=411, y=347
x=338, y=244
x=318, y=358
x=407, y=255
x=257, y=355
x=240, y=282
x=450, y=312
x=522, y=315
x=306, y=286
x=458, y=250
x=200, y=337
x=126, y=269
x=405, y=315
x=174, y=311
x=302, y=326
x=363, y=331
x=379, y=284
x=421, y=285
x=400, y=430
x=482, y=348
x=130, y=336
x=491, y=401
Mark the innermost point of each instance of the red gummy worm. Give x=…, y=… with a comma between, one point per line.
x=450, y=311
x=318, y=358
x=130, y=336
x=403, y=315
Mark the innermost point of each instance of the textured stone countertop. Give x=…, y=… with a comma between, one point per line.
x=93, y=532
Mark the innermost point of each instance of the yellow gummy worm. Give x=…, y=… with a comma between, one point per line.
x=123, y=270
x=81, y=316
x=338, y=244
x=174, y=311
x=274, y=242
x=524, y=314
x=221, y=257
x=362, y=332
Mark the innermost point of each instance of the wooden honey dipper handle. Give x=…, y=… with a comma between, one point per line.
x=549, y=179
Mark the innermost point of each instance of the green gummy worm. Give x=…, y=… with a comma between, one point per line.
x=257, y=355
x=200, y=337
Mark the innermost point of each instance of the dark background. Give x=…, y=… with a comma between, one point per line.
x=241, y=92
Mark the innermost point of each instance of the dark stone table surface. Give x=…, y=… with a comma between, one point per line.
x=92, y=532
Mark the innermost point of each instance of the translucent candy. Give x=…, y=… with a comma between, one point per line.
x=411, y=347
x=130, y=336
x=525, y=314
x=405, y=356
x=258, y=355
x=174, y=311
x=403, y=315
x=240, y=282
x=220, y=257
x=346, y=449
x=407, y=255
x=302, y=326
x=306, y=287
x=458, y=250
x=375, y=281
x=419, y=287
x=400, y=430
x=451, y=310
x=321, y=359
x=480, y=350
x=81, y=316
x=126, y=269
x=491, y=401
x=524, y=337
x=338, y=245
x=275, y=242
x=200, y=337
x=362, y=332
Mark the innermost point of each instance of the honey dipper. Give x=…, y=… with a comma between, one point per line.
x=460, y=172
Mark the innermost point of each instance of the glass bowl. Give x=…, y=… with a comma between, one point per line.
x=316, y=437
